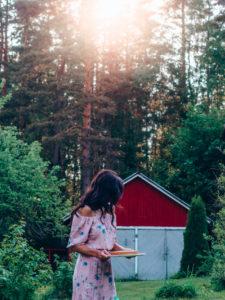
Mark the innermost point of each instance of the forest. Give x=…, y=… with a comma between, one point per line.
x=104, y=88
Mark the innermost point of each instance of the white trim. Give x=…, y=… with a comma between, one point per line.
x=151, y=227
x=136, y=248
x=166, y=252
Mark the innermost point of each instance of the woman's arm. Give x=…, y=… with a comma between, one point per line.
x=85, y=250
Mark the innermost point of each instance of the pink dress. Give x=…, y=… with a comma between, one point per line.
x=93, y=279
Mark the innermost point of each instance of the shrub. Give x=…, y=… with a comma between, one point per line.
x=218, y=269
x=173, y=290
x=22, y=268
x=180, y=275
x=207, y=263
x=62, y=279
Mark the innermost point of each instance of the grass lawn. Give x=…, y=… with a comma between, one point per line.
x=145, y=290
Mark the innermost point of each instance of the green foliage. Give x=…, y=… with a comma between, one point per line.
x=195, y=243
x=218, y=271
x=174, y=290
x=4, y=99
x=28, y=189
x=191, y=156
x=205, y=269
x=180, y=275
x=22, y=268
x=141, y=290
x=62, y=280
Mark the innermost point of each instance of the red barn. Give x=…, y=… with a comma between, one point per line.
x=152, y=220
x=146, y=203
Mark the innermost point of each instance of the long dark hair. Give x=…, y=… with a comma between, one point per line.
x=103, y=193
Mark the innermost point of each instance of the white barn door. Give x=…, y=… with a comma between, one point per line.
x=163, y=248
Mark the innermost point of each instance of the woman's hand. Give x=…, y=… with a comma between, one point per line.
x=103, y=254
x=86, y=250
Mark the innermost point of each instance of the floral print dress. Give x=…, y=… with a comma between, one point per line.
x=93, y=278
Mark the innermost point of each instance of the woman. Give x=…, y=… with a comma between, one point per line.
x=93, y=235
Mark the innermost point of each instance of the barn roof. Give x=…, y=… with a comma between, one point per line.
x=160, y=189
x=157, y=187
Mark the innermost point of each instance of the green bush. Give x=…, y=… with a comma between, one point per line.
x=181, y=274
x=206, y=268
x=22, y=268
x=62, y=279
x=218, y=269
x=173, y=290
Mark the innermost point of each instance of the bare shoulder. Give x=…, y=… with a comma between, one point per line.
x=86, y=211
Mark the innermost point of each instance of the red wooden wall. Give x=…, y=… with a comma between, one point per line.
x=143, y=205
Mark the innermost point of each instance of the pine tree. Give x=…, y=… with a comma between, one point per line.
x=195, y=244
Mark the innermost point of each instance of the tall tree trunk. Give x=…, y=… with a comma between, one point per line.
x=88, y=92
x=208, y=96
x=4, y=23
x=5, y=54
x=1, y=35
x=183, y=86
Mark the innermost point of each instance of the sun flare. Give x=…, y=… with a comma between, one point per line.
x=112, y=10
x=109, y=9
x=116, y=12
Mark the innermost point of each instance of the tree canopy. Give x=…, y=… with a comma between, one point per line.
x=29, y=190
x=191, y=157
